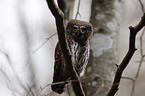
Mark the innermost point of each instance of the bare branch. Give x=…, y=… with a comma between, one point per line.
x=59, y=19
x=127, y=58
x=141, y=59
x=62, y=5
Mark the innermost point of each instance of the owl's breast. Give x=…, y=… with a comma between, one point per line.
x=74, y=51
x=80, y=56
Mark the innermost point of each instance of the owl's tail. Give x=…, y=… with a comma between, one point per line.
x=59, y=88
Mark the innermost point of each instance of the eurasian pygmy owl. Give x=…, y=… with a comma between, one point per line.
x=77, y=36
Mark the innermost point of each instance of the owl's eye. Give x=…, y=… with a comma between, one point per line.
x=74, y=28
x=83, y=29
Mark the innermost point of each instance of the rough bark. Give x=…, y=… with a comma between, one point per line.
x=105, y=18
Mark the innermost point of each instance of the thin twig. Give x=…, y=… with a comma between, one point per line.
x=128, y=78
x=8, y=82
x=30, y=92
x=57, y=83
x=15, y=73
x=142, y=6
x=127, y=58
x=16, y=76
x=49, y=94
x=141, y=53
x=69, y=81
x=43, y=43
x=78, y=13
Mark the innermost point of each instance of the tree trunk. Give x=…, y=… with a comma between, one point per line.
x=105, y=18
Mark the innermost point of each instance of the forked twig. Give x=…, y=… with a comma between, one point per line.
x=141, y=54
x=78, y=13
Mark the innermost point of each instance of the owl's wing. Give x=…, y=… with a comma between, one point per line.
x=60, y=73
x=58, y=63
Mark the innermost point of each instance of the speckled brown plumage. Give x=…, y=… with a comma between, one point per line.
x=77, y=36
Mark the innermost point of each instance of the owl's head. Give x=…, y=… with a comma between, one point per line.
x=79, y=30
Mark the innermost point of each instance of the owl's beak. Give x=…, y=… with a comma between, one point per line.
x=78, y=33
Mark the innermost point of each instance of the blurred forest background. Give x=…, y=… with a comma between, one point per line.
x=28, y=39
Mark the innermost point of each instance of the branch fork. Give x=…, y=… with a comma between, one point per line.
x=127, y=58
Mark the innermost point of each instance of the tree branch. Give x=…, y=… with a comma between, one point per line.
x=59, y=19
x=127, y=58
x=62, y=5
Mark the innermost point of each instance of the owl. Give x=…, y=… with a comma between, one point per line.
x=78, y=34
